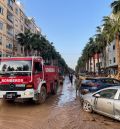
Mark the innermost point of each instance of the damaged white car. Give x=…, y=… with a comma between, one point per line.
x=105, y=101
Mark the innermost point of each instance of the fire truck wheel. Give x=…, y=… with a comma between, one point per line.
x=10, y=101
x=54, y=89
x=42, y=95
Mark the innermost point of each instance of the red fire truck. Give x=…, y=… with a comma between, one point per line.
x=27, y=78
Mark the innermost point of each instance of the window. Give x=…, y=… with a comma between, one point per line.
x=16, y=11
x=38, y=67
x=10, y=3
x=108, y=81
x=114, y=60
x=21, y=27
x=1, y=25
x=19, y=65
x=109, y=93
x=0, y=39
x=1, y=10
x=119, y=97
x=9, y=46
x=10, y=16
x=113, y=47
x=22, y=18
x=16, y=22
x=116, y=82
x=110, y=61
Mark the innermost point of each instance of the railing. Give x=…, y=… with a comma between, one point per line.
x=10, y=19
x=9, y=33
x=10, y=7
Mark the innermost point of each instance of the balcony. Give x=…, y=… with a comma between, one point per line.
x=9, y=30
x=10, y=16
x=10, y=4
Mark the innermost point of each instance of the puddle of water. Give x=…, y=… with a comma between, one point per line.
x=68, y=93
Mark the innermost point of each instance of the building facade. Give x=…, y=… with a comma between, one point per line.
x=104, y=62
x=12, y=22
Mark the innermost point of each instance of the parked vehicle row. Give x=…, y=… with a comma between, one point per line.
x=101, y=95
x=95, y=84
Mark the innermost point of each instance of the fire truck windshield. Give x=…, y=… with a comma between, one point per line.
x=15, y=66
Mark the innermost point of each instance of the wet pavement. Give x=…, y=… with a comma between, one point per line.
x=61, y=111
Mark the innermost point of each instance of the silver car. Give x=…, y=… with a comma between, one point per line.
x=105, y=101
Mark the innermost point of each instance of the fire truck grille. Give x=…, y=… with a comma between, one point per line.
x=11, y=87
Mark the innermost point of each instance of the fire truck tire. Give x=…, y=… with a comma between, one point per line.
x=42, y=95
x=54, y=88
x=10, y=101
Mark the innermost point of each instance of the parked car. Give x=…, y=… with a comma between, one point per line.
x=95, y=84
x=105, y=101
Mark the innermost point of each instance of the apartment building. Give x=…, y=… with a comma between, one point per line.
x=108, y=60
x=105, y=60
x=13, y=21
x=111, y=60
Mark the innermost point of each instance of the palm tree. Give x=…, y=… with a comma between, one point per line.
x=116, y=11
x=101, y=42
x=112, y=28
x=91, y=52
x=86, y=56
x=25, y=41
x=43, y=47
x=115, y=6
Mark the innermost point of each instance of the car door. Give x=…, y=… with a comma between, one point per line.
x=105, y=102
x=117, y=106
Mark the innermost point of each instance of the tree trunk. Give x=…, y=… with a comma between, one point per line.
x=118, y=51
x=104, y=51
x=94, y=64
x=98, y=62
x=90, y=65
x=87, y=65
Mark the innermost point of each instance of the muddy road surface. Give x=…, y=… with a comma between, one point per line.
x=61, y=111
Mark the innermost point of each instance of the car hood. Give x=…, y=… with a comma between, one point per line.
x=88, y=97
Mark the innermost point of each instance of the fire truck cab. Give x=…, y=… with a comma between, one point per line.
x=27, y=78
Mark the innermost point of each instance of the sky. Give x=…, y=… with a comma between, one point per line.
x=68, y=23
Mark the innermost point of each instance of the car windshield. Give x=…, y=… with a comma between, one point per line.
x=15, y=66
x=89, y=81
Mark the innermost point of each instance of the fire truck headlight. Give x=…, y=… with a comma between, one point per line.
x=28, y=93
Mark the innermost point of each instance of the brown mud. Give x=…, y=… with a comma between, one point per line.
x=61, y=111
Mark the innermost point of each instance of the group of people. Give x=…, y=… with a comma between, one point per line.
x=78, y=81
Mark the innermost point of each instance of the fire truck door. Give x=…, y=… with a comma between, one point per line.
x=37, y=74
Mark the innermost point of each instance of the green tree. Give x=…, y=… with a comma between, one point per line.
x=116, y=27
x=25, y=41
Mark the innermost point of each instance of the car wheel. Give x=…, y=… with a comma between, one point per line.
x=87, y=106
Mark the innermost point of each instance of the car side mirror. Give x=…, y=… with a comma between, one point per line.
x=97, y=95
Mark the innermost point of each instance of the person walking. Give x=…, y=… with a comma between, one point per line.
x=71, y=78
x=77, y=85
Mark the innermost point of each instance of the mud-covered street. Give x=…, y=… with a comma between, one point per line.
x=61, y=111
